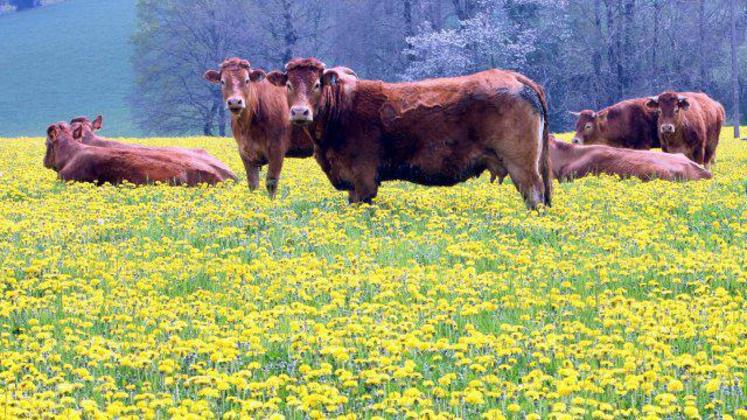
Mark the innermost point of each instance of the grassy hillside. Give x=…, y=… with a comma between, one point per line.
x=64, y=60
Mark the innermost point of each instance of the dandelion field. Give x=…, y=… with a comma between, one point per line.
x=626, y=299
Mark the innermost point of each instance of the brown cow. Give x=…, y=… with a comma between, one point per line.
x=74, y=161
x=572, y=161
x=629, y=124
x=689, y=123
x=433, y=132
x=84, y=130
x=259, y=121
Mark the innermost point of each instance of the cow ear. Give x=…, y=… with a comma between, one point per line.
x=257, y=75
x=329, y=77
x=212, y=76
x=653, y=102
x=277, y=78
x=53, y=131
x=575, y=114
x=97, y=123
x=78, y=132
x=683, y=102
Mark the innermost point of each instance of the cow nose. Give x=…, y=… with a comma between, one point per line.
x=577, y=140
x=300, y=114
x=235, y=103
x=667, y=128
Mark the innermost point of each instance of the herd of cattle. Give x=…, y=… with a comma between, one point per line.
x=432, y=132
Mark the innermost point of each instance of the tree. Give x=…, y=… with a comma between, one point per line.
x=734, y=69
x=488, y=39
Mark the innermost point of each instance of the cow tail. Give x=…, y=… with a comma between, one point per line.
x=545, y=162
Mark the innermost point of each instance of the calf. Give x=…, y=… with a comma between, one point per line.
x=433, y=132
x=84, y=130
x=571, y=161
x=689, y=123
x=629, y=124
x=259, y=121
x=74, y=161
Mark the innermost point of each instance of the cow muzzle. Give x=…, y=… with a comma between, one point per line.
x=667, y=129
x=301, y=115
x=235, y=105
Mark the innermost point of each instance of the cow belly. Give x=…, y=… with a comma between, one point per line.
x=444, y=176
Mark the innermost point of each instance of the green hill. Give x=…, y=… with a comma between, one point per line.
x=65, y=60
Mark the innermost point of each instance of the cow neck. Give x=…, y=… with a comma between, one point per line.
x=65, y=148
x=335, y=108
x=92, y=139
x=252, y=115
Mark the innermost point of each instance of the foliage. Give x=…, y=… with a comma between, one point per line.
x=626, y=299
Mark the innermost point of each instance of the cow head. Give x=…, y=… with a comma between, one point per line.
x=235, y=77
x=670, y=106
x=305, y=80
x=589, y=127
x=83, y=127
x=54, y=133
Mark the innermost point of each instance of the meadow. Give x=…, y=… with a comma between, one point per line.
x=625, y=300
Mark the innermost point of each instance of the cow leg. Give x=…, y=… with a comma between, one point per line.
x=710, y=153
x=252, y=173
x=529, y=183
x=273, y=173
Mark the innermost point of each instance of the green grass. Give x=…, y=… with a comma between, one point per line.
x=65, y=60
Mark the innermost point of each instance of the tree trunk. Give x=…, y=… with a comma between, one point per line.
x=734, y=68
x=596, y=59
x=409, y=28
x=628, y=58
x=221, y=120
x=654, y=78
x=701, y=46
x=290, y=37
x=207, y=126
x=619, y=53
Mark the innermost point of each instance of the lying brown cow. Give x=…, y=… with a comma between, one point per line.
x=433, y=132
x=259, y=121
x=689, y=123
x=74, y=161
x=84, y=130
x=629, y=124
x=571, y=161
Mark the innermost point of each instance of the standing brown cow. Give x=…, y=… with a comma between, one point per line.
x=571, y=161
x=629, y=124
x=259, y=121
x=84, y=130
x=689, y=123
x=433, y=132
x=74, y=161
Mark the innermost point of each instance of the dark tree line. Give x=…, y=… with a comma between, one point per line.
x=587, y=53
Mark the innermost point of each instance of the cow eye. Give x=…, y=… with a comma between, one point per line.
x=289, y=86
x=588, y=126
x=247, y=81
x=223, y=82
x=317, y=85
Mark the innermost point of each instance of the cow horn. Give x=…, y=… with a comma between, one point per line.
x=654, y=99
x=594, y=115
x=681, y=98
x=575, y=114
